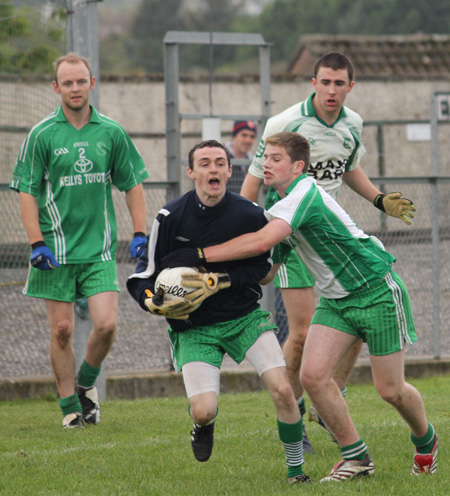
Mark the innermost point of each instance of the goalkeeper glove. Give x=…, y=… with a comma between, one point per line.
x=207, y=284
x=42, y=258
x=393, y=204
x=178, y=309
x=185, y=257
x=137, y=244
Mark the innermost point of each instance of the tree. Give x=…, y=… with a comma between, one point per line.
x=362, y=17
x=155, y=17
x=26, y=44
x=282, y=22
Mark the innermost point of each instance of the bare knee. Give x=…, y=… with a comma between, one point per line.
x=203, y=413
x=296, y=339
x=106, y=331
x=390, y=393
x=312, y=380
x=282, y=395
x=62, y=333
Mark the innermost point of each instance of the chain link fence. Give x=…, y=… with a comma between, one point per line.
x=141, y=342
x=413, y=248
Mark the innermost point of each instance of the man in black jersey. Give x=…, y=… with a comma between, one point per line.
x=230, y=319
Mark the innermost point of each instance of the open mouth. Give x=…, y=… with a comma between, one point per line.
x=214, y=181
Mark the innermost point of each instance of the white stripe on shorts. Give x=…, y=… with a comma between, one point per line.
x=283, y=276
x=401, y=317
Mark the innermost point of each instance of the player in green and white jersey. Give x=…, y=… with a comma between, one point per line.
x=71, y=173
x=361, y=298
x=334, y=134
x=64, y=173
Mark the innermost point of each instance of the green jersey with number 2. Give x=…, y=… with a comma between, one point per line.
x=71, y=173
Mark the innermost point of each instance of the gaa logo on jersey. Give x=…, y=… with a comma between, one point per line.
x=61, y=151
x=83, y=165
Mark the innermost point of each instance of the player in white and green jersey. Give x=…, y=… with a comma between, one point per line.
x=361, y=298
x=64, y=175
x=335, y=148
x=334, y=134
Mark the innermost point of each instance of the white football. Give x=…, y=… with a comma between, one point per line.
x=170, y=281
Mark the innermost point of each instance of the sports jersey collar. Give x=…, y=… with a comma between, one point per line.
x=291, y=187
x=60, y=117
x=295, y=182
x=204, y=209
x=309, y=110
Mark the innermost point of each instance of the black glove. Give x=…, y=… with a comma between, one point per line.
x=185, y=257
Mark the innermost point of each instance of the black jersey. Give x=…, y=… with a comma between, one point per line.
x=187, y=223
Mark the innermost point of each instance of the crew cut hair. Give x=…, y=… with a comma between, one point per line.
x=335, y=61
x=71, y=58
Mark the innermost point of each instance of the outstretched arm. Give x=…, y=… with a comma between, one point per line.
x=251, y=244
x=392, y=204
x=361, y=184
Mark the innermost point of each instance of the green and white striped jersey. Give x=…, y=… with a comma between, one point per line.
x=341, y=257
x=335, y=149
x=71, y=173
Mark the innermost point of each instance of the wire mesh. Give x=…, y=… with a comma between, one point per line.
x=141, y=342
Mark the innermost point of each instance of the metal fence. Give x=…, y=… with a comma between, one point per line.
x=141, y=344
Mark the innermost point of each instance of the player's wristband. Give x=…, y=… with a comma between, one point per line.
x=184, y=257
x=201, y=255
x=38, y=244
x=378, y=202
x=224, y=277
x=139, y=234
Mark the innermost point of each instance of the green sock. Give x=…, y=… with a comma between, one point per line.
x=344, y=391
x=355, y=451
x=424, y=444
x=291, y=436
x=70, y=404
x=87, y=375
x=301, y=406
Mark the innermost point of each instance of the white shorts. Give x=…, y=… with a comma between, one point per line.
x=264, y=354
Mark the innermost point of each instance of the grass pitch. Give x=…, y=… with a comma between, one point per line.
x=143, y=448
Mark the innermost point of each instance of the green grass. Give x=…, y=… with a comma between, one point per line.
x=143, y=448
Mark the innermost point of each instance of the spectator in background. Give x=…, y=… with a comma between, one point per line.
x=240, y=146
x=64, y=175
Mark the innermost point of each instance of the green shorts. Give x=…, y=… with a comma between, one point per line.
x=210, y=343
x=381, y=316
x=72, y=281
x=293, y=274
